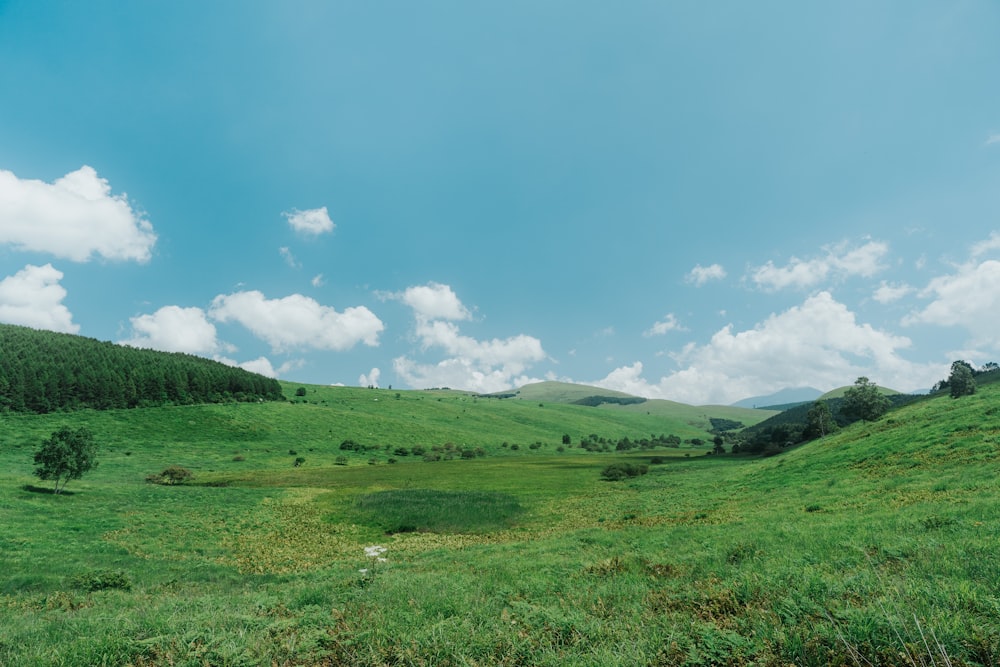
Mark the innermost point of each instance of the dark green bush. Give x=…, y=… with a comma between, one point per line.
x=619, y=471
x=100, y=580
x=171, y=475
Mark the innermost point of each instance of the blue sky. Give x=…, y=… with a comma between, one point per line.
x=693, y=201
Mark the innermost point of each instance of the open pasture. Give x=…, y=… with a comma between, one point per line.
x=877, y=543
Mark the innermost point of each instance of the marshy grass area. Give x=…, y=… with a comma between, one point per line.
x=876, y=545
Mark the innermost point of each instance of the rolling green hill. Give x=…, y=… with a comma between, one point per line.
x=876, y=545
x=839, y=392
x=698, y=417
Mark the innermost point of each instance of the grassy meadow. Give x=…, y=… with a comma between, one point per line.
x=877, y=545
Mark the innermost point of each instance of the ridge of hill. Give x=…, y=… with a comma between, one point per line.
x=563, y=392
x=698, y=416
x=839, y=392
x=779, y=399
x=43, y=371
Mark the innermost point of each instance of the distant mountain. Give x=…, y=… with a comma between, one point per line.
x=783, y=397
x=565, y=392
x=839, y=392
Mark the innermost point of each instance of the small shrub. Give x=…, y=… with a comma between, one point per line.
x=292, y=452
x=560, y=449
x=813, y=508
x=657, y=460
x=390, y=460
x=401, y=451
x=171, y=475
x=418, y=450
x=468, y=454
x=935, y=522
x=301, y=459
x=535, y=445
x=340, y=461
x=239, y=457
x=619, y=471
x=514, y=447
x=100, y=580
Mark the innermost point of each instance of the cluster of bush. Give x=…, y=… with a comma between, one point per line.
x=596, y=443
x=170, y=476
x=449, y=451
x=619, y=471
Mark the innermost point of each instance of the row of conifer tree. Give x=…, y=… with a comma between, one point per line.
x=44, y=371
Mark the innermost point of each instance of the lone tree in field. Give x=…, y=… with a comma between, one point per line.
x=961, y=380
x=66, y=455
x=864, y=401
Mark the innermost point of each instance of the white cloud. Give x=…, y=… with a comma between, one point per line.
x=432, y=301
x=666, y=325
x=175, y=329
x=297, y=321
x=839, y=262
x=286, y=254
x=887, y=293
x=263, y=366
x=369, y=379
x=32, y=297
x=993, y=139
x=819, y=343
x=76, y=217
x=700, y=275
x=458, y=374
x=313, y=221
x=318, y=280
x=987, y=246
x=968, y=298
x=474, y=365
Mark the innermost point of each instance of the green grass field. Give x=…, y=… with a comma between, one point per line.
x=873, y=546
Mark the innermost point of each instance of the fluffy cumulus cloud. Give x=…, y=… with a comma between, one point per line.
x=968, y=298
x=700, y=275
x=840, y=261
x=433, y=301
x=471, y=364
x=993, y=139
x=76, y=217
x=33, y=297
x=664, y=326
x=175, y=329
x=297, y=321
x=314, y=221
x=819, y=343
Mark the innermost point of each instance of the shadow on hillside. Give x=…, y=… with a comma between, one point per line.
x=31, y=488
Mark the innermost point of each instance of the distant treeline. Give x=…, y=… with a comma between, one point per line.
x=44, y=371
x=594, y=401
